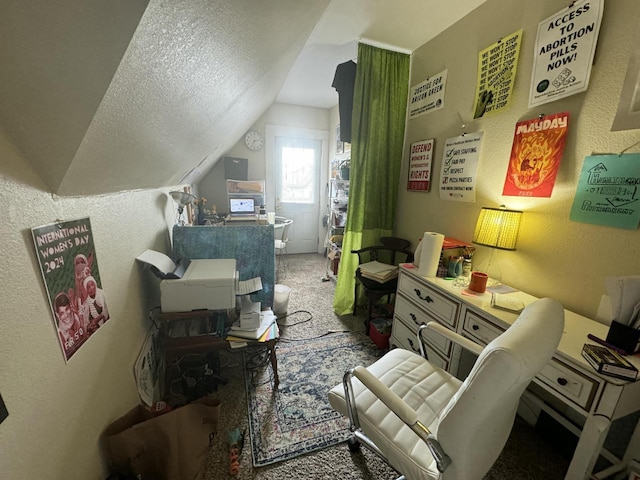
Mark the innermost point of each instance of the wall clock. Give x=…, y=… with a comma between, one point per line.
x=254, y=140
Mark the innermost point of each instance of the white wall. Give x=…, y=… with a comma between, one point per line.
x=213, y=186
x=57, y=411
x=556, y=257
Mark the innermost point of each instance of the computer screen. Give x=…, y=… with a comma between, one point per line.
x=240, y=206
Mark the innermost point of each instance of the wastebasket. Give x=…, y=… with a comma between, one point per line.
x=281, y=299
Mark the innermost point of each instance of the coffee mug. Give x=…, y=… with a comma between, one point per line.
x=478, y=282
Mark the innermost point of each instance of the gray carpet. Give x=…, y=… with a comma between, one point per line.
x=526, y=455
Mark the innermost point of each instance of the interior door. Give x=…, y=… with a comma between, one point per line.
x=297, y=189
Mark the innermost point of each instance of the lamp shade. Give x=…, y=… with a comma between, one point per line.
x=182, y=198
x=498, y=228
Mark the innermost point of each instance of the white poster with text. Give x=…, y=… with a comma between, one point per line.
x=428, y=96
x=564, y=49
x=459, y=172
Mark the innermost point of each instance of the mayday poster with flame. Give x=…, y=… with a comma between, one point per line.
x=535, y=156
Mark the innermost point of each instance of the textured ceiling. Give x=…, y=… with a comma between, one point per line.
x=115, y=95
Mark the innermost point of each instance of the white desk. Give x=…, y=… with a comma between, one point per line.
x=567, y=378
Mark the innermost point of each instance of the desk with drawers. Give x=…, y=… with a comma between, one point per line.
x=567, y=381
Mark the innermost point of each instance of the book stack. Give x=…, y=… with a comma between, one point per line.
x=380, y=272
x=267, y=330
x=608, y=362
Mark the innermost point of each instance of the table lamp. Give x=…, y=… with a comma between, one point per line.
x=497, y=228
x=182, y=199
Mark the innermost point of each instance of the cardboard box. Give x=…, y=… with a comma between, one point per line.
x=206, y=285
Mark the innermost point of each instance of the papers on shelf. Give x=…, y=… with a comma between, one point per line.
x=267, y=319
x=245, y=287
x=380, y=272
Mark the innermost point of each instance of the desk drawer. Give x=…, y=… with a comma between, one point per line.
x=403, y=337
x=570, y=383
x=414, y=317
x=444, y=308
x=479, y=327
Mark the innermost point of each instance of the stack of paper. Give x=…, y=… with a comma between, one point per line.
x=237, y=333
x=380, y=272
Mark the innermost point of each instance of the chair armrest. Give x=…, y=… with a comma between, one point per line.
x=407, y=414
x=453, y=336
x=404, y=412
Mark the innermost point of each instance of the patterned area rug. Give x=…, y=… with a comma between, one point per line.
x=297, y=418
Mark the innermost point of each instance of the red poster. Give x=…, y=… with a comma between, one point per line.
x=537, y=149
x=420, y=165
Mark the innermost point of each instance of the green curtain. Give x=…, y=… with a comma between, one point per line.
x=379, y=112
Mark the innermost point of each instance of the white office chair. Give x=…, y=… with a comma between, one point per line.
x=426, y=423
x=281, y=247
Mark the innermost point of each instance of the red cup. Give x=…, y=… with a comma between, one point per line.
x=478, y=282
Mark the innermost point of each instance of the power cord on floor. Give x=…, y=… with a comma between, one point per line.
x=283, y=326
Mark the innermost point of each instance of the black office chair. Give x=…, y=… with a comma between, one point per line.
x=392, y=251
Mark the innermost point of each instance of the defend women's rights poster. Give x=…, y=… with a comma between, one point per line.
x=69, y=267
x=420, y=165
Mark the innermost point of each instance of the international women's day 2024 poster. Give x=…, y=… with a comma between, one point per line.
x=536, y=152
x=69, y=266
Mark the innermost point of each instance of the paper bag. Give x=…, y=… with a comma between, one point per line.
x=170, y=446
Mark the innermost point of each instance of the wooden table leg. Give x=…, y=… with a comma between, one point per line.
x=271, y=345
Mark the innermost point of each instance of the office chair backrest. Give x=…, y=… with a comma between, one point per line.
x=474, y=427
x=392, y=251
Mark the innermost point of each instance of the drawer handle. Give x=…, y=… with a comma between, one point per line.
x=415, y=320
x=412, y=347
x=562, y=381
x=475, y=327
x=427, y=299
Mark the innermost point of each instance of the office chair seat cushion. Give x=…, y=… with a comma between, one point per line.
x=412, y=378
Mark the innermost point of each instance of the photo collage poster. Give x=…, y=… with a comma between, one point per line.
x=69, y=267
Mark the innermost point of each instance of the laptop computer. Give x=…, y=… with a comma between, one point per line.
x=242, y=208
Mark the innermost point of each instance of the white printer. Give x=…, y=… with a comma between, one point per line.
x=206, y=284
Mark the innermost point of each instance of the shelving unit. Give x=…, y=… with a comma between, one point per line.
x=338, y=204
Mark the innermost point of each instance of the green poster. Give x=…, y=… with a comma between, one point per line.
x=69, y=266
x=607, y=192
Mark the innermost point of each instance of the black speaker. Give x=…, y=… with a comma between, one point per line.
x=624, y=337
x=236, y=168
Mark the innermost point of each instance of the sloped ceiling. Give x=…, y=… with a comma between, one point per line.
x=115, y=95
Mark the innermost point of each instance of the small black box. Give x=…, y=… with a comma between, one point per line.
x=623, y=336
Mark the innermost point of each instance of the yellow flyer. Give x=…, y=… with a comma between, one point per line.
x=497, y=65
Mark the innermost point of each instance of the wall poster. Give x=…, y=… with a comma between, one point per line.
x=428, y=96
x=420, y=159
x=460, y=167
x=564, y=49
x=497, y=66
x=536, y=153
x=607, y=192
x=69, y=267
